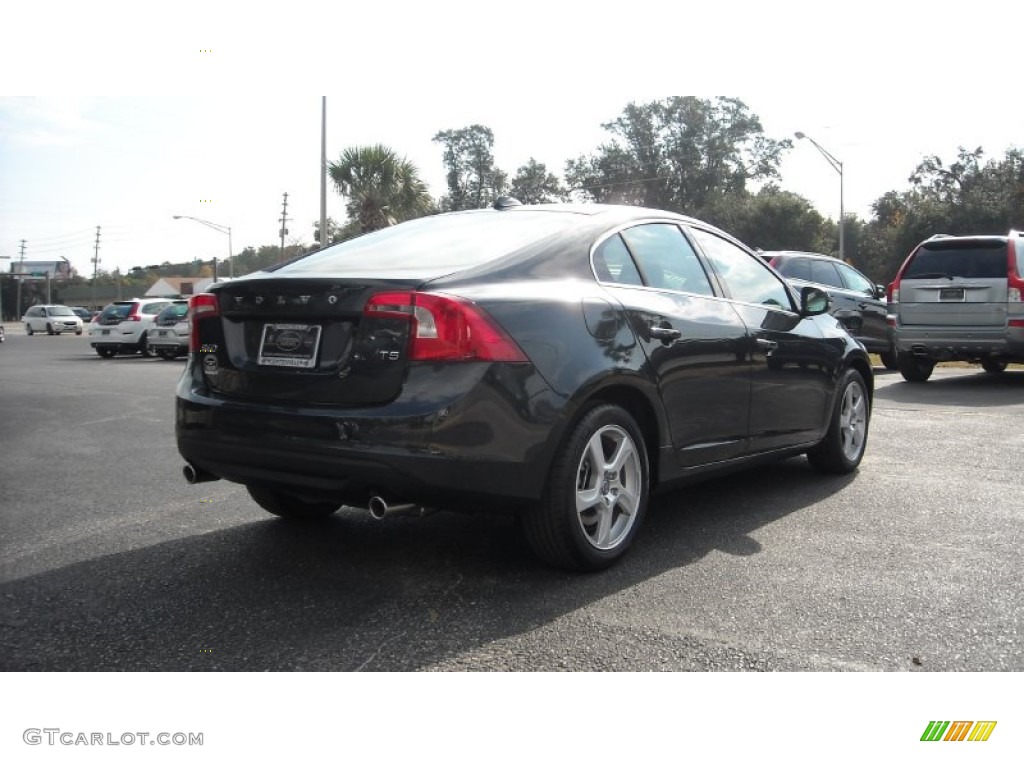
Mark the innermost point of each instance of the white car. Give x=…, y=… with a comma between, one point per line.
x=122, y=326
x=54, y=319
x=170, y=333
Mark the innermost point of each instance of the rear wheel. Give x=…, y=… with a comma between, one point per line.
x=596, y=493
x=106, y=351
x=144, y=347
x=847, y=437
x=993, y=366
x=286, y=505
x=916, y=369
x=890, y=359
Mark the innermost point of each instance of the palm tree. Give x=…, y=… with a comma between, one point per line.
x=382, y=188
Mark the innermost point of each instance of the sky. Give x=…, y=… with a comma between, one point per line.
x=215, y=114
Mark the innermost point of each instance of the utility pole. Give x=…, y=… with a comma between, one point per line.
x=284, y=223
x=21, y=277
x=95, y=267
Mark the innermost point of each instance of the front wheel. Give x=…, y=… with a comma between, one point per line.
x=49, y=330
x=596, y=493
x=847, y=437
x=292, y=507
x=28, y=330
x=915, y=369
x=993, y=366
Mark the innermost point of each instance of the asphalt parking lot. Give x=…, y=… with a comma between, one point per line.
x=110, y=561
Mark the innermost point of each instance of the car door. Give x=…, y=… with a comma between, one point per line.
x=693, y=339
x=873, y=329
x=791, y=362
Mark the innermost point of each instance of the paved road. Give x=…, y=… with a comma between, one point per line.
x=109, y=561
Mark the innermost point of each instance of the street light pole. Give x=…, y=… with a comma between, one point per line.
x=224, y=230
x=837, y=165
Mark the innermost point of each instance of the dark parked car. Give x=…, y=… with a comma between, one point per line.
x=86, y=314
x=959, y=298
x=857, y=303
x=560, y=361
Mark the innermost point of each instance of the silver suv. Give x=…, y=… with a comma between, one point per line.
x=123, y=325
x=959, y=298
x=170, y=333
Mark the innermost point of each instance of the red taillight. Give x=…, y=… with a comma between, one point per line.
x=134, y=314
x=200, y=306
x=446, y=328
x=1015, y=283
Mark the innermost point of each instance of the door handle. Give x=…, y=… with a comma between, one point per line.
x=767, y=345
x=665, y=333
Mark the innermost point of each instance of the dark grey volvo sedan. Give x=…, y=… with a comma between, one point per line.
x=558, y=361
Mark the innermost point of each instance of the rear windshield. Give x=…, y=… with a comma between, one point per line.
x=116, y=311
x=436, y=245
x=173, y=311
x=980, y=260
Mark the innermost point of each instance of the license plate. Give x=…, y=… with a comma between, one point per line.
x=289, y=345
x=105, y=333
x=951, y=294
x=161, y=333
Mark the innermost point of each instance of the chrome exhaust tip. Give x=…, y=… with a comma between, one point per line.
x=194, y=475
x=379, y=508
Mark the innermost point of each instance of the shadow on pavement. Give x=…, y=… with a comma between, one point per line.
x=348, y=593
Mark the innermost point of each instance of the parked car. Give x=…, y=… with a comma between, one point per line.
x=83, y=313
x=557, y=360
x=169, y=336
x=959, y=298
x=857, y=303
x=122, y=326
x=54, y=319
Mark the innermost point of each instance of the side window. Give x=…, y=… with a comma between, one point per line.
x=855, y=281
x=748, y=278
x=825, y=272
x=797, y=269
x=613, y=263
x=666, y=259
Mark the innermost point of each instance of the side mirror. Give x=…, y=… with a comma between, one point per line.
x=879, y=291
x=813, y=301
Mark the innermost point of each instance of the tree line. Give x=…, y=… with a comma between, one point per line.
x=707, y=158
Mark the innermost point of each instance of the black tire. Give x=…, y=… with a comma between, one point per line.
x=993, y=366
x=50, y=331
x=890, y=360
x=915, y=369
x=843, y=447
x=106, y=351
x=78, y=333
x=288, y=506
x=144, y=347
x=598, y=535
x=166, y=354
x=28, y=329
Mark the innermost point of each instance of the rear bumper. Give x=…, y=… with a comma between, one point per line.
x=961, y=342
x=485, y=445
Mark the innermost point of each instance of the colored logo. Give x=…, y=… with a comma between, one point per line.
x=958, y=730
